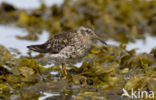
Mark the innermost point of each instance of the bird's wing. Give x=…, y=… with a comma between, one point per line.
x=57, y=43
x=53, y=45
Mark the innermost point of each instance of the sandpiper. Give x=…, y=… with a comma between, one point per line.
x=68, y=46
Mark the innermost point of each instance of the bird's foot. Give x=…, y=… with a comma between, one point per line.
x=64, y=71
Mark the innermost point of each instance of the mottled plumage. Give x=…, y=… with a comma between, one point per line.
x=68, y=46
x=53, y=45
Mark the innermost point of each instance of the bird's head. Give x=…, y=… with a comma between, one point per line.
x=88, y=31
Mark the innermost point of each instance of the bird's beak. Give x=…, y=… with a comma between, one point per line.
x=99, y=38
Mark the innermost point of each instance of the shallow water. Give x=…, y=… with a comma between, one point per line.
x=8, y=38
x=48, y=95
x=140, y=45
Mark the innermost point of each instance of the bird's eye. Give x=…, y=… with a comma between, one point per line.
x=88, y=31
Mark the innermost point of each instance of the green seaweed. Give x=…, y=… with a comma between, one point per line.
x=108, y=17
x=104, y=71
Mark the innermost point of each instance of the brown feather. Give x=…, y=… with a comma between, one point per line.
x=53, y=45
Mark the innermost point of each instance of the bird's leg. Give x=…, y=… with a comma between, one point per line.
x=64, y=69
x=29, y=53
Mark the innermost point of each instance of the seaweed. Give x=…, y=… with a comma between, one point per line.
x=109, y=18
x=104, y=72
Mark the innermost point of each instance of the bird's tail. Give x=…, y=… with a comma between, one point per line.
x=37, y=48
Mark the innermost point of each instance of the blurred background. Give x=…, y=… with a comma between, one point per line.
x=126, y=25
x=131, y=21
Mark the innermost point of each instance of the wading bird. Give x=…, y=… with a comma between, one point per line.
x=68, y=46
